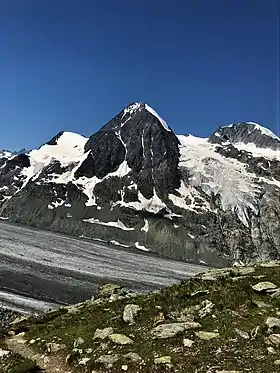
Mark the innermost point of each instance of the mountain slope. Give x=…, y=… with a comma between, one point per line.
x=221, y=321
x=136, y=183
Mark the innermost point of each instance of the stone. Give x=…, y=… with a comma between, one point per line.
x=88, y=351
x=242, y=334
x=79, y=341
x=274, y=339
x=18, y=320
x=219, y=272
x=107, y=359
x=170, y=330
x=271, y=350
x=124, y=367
x=32, y=341
x=208, y=278
x=84, y=361
x=103, y=333
x=261, y=304
x=206, y=308
x=273, y=322
x=207, y=335
x=188, y=342
x=264, y=286
x=163, y=360
x=120, y=339
x=277, y=362
x=4, y=353
x=254, y=332
x=54, y=347
x=202, y=309
x=133, y=357
x=130, y=312
x=276, y=294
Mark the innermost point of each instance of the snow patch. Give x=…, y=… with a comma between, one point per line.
x=140, y=247
x=117, y=224
x=258, y=152
x=145, y=227
x=155, y=114
x=69, y=147
x=116, y=243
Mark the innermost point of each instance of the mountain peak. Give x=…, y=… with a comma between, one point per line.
x=246, y=133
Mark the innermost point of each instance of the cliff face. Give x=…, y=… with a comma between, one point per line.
x=136, y=183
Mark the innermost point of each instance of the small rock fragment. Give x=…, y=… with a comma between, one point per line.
x=79, y=341
x=274, y=339
x=207, y=335
x=84, y=361
x=107, y=359
x=4, y=353
x=133, y=357
x=276, y=294
x=130, y=312
x=124, y=367
x=271, y=350
x=242, y=334
x=163, y=360
x=254, y=332
x=54, y=347
x=188, y=342
x=103, y=333
x=273, y=322
x=264, y=286
x=120, y=339
x=170, y=330
x=261, y=304
x=205, y=308
x=277, y=362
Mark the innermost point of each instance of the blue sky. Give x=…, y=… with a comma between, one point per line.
x=73, y=64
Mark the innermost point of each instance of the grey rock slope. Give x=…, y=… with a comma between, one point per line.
x=136, y=183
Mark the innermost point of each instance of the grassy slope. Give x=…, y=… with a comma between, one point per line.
x=235, y=307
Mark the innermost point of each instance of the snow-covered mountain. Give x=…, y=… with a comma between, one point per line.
x=136, y=183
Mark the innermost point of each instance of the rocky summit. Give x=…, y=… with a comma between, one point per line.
x=137, y=184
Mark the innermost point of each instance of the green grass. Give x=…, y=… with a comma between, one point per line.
x=234, y=308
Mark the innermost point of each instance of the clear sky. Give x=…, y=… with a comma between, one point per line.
x=73, y=64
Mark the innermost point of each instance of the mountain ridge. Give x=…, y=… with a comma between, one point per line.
x=136, y=182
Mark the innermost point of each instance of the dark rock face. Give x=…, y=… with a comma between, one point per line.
x=11, y=178
x=137, y=137
x=246, y=133
x=53, y=141
x=136, y=183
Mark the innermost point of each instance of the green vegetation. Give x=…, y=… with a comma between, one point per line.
x=222, y=302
